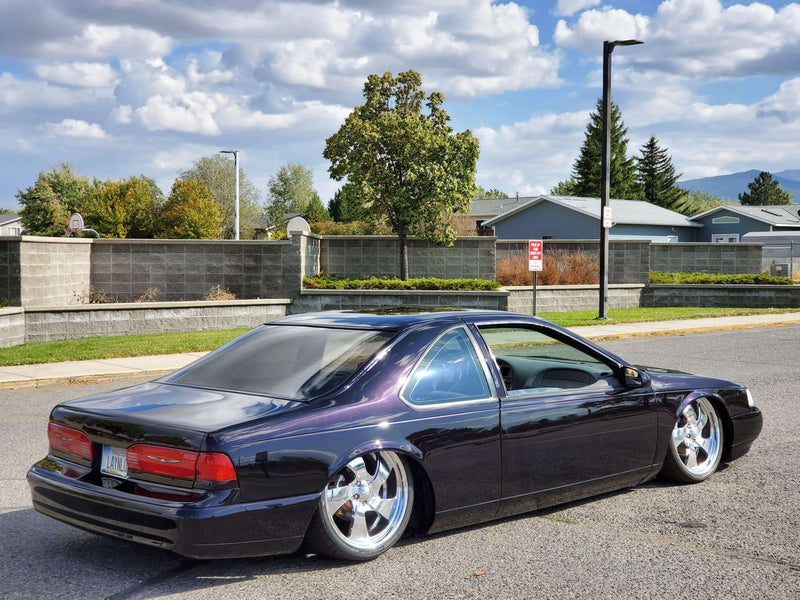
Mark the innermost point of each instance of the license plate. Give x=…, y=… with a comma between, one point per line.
x=114, y=461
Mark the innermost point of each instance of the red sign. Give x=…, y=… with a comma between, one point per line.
x=535, y=255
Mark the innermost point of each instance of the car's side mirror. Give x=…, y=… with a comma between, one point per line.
x=634, y=378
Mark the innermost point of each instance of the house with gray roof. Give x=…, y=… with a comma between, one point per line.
x=10, y=224
x=569, y=217
x=729, y=223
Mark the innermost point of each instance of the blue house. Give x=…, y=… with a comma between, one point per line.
x=568, y=217
x=729, y=223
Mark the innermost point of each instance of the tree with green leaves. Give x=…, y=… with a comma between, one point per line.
x=218, y=173
x=587, y=169
x=764, y=191
x=657, y=178
x=190, y=212
x=291, y=190
x=347, y=205
x=408, y=165
x=481, y=192
x=130, y=208
x=48, y=203
x=703, y=201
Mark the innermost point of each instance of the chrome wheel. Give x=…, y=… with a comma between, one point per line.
x=696, y=443
x=365, y=507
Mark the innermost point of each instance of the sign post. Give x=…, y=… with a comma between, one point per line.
x=534, y=264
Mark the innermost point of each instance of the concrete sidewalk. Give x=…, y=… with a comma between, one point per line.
x=93, y=370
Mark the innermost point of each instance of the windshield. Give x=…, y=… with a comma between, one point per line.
x=286, y=361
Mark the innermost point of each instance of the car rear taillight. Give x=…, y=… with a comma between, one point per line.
x=69, y=440
x=202, y=467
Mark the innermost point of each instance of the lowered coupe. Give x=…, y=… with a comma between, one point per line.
x=339, y=432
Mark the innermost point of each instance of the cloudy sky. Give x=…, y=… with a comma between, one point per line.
x=122, y=87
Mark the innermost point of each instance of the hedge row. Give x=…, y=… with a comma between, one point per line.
x=716, y=278
x=330, y=282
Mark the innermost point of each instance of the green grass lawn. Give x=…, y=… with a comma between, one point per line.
x=199, y=341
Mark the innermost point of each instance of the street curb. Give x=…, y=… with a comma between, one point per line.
x=600, y=337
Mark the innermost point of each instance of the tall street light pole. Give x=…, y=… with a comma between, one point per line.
x=236, y=205
x=605, y=184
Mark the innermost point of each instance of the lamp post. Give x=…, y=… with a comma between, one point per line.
x=236, y=204
x=605, y=183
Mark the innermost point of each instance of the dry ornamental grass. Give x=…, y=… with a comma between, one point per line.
x=559, y=268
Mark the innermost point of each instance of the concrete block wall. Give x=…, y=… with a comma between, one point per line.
x=705, y=256
x=628, y=260
x=562, y=298
x=187, y=269
x=102, y=320
x=745, y=296
x=12, y=327
x=10, y=284
x=360, y=256
x=318, y=300
x=54, y=271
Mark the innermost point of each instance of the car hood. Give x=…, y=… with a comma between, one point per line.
x=180, y=406
x=673, y=379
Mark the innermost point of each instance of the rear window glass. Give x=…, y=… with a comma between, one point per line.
x=285, y=361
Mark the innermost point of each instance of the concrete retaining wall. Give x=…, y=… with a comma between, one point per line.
x=561, y=298
x=747, y=296
x=44, y=324
x=628, y=260
x=360, y=256
x=708, y=257
x=12, y=327
x=316, y=300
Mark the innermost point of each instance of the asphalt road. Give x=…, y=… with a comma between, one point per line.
x=735, y=536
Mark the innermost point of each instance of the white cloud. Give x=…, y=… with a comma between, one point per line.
x=191, y=113
x=567, y=8
x=18, y=93
x=77, y=128
x=79, y=74
x=105, y=41
x=123, y=114
x=182, y=156
x=595, y=26
x=783, y=104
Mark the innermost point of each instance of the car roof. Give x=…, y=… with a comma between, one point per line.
x=394, y=318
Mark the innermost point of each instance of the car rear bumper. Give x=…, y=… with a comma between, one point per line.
x=746, y=428
x=222, y=531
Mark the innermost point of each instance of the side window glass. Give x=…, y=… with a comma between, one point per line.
x=450, y=371
x=533, y=362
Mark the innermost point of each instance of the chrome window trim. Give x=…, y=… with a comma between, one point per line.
x=491, y=399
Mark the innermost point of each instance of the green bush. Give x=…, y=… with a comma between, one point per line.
x=332, y=282
x=3, y=302
x=717, y=278
x=354, y=228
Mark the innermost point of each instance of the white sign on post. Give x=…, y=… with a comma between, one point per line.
x=535, y=255
x=607, y=217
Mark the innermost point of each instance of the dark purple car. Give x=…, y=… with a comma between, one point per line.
x=343, y=431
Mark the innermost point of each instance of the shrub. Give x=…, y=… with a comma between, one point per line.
x=558, y=268
x=151, y=295
x=718, y=278
x=3, y=302
x=218, y=293
x=332, y=282
x=354, y=228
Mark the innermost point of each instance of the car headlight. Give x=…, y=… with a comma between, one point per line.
x=750, y=402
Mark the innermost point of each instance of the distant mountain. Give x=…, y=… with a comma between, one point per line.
x=730, y=186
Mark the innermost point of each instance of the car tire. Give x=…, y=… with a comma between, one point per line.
x=695, y=445
x=364, y=508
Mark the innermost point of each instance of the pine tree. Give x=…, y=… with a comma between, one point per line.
x=763, y=191
x=657, y=179
x=587, y=172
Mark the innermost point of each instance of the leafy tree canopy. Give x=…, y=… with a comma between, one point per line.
x=217, y=172
x=587, y=172
x=703, y=201
x=481, y=192
x=291, y=190
x=190, y=212
x=130, y=208
x=48, y=203
x=407, y=163
x=763, y=191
